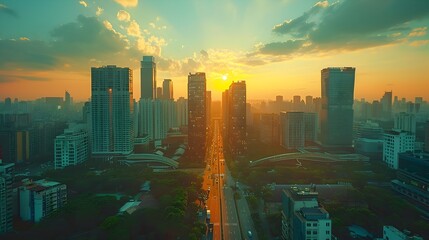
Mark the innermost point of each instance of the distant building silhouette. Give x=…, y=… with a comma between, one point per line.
x=148, y=78
x=337, y=106
x=112, y=107
x=167, y=89
x=386, y=105
x=197, y=116
x=159, y=93
x=405, y=122
x=293, y=129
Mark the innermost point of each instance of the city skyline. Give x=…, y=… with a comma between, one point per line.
x=40, y=57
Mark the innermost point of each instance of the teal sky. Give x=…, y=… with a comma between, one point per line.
x=277, y=46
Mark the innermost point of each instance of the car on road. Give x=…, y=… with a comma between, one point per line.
x=249, y=234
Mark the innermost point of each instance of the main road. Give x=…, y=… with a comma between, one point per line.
x=220, y=199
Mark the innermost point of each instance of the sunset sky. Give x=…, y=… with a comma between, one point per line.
x=277, y=46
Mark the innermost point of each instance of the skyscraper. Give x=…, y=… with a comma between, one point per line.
x=197, y=116
x=112, y=107
x=337, y=106
x=235, y=123
x=386, y=105
x=293, y=129
x=167, y=89
x=148, y=78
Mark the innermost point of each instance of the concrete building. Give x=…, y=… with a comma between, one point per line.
x=396, y=142
x=292, y=130
x=369, y=140
x=148, y=78
x=405, y=122
x=302, y=218
x=235, y=118
x=392, y=233
x=40, y=199
x=197, y=119
x=167, y=89
x=71, y=147
x=336, y=115
x=6, y=200
x=112, y=110
x=413, y=177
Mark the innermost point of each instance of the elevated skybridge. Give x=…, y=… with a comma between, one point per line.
x=149, y=158
x=311, y=157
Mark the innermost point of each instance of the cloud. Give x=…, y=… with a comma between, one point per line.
x=83, y=3
x=123, y=16
x=419, y=43
x=26, y=54
x=86, y=38
x=127, y=3
x=99, y=11
x=347, y=25
x=418, y=32
x=13, y=78
x=134, y=29
x=7, y=10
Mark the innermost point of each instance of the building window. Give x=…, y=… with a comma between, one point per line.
x=327, y=224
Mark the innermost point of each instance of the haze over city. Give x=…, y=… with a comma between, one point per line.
x=214, y=120
x=278, y=47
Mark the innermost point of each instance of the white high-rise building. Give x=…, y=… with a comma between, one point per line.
x=71, y=147
x=156, y=118
x=405, y=122
x=396, y=142
x=40, y=199
x=112, y=109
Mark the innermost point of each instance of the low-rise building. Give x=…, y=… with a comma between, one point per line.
x=39, y=199
x=392, y=233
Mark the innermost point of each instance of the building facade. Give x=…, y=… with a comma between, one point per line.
x=112, y=110
x=197, y=119
x=293, y=130
x=336, y=115
x=167, y=89
x=40, y=199
x=71, y=147
x=396, y=142
x=302, y=218
x=235, y=118
x=405, y=122
x=148, y=78
x=6, y=199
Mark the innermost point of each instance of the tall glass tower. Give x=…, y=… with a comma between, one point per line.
x=336, y=115
x=197, y=118
x=112, y=108
x=148, y=78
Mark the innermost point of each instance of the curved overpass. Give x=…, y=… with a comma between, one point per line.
x=308, y=156
x=150, y=158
